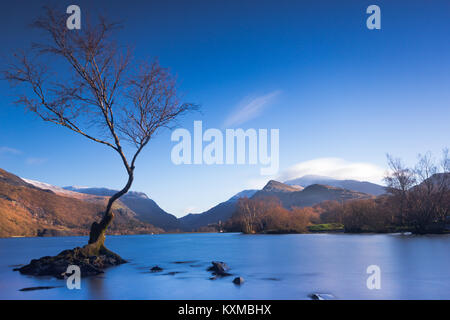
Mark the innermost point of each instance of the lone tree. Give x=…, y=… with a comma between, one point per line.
x=84, y=81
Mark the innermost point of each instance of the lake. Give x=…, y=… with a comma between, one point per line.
x=273, y=266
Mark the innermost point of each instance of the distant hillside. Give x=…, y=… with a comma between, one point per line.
x=221, y=212
x=13, y=180
x=289, y=195
x=29, y=208
x=145, y=208
x=437, y=180
x=64, y=192
x=360, y=186
x=309, y=196
x=26, y=210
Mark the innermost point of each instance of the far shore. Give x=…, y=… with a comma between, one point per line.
x=268, y=232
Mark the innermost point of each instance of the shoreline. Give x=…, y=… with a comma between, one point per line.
x=406, y=233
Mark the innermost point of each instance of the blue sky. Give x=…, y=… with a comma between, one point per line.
x=341, y=95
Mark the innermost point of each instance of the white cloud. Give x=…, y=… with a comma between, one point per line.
x=335, y=168
x=189, y=209
x=249, y=109
x=7, y=150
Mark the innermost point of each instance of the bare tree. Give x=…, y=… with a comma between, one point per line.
x=422, y=193
x=429, y=203
x=443, y=183
x=398, y=182
x=84, y=81
x=247, y=210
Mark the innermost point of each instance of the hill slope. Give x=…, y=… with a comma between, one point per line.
x=145, y=208
x=289, y=196
x=221, y=212
x=26, y=210
x=309, y=196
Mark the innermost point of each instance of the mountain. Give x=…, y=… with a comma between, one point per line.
x=275, y=186
x=359, y=186
x=243, y=194
x=148, y=211
x=30, y=207
x=63, y=192
x=288, y=195
x=437, y=182
x=27, y=210
x=307, y=197
x=221, y=212
x=13, y=180
x=145, y=208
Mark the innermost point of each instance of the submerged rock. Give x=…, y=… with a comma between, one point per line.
x=238, y=280
x=322, y=296
x=219, y=268
x=172, y=273
x=38, y=288
x=57, y=266
x=156, y=269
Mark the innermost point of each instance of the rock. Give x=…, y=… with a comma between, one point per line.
x=238, y=280
x=321, y=296
x=219, y=269
x=57, y=266
x=172, y=273
x=156, y=269
x=38, y=288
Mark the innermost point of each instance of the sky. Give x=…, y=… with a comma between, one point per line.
x=341, y=95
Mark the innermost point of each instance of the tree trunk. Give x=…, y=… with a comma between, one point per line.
x=96, y=244
x=92, y=258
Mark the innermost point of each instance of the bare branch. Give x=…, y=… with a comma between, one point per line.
x=83, y=80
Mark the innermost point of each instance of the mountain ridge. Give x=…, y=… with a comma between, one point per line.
x=140, y=207
x=146, y=209
x=26, y=210
x=289, y=195
x=220, y=212
x=310, y=195
x=349, y=184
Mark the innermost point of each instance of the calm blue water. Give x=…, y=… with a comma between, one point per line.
x=273, y=266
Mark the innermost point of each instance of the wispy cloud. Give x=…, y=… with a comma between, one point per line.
x=248, y=110
x=28, y=160
x=189, y=209
x=35, y=161
x=335, y=168
x=7, y=150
